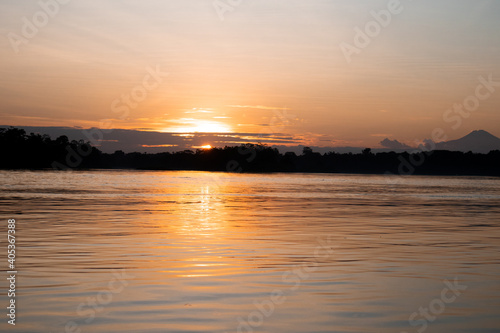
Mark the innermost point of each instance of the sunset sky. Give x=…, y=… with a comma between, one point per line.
x=264, y=66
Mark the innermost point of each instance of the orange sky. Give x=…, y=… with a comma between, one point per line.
x=270, y=66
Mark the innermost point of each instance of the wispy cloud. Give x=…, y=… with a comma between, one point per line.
x=190, y=125
x=381, y=135
x=18, y=120
x=195, y=111
x=260, y=107
x=159, y=146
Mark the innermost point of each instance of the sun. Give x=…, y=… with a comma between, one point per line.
x=204, y=147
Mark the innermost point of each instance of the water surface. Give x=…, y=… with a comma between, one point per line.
x=134, y=251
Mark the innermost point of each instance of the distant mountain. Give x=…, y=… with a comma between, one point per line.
x=476, y=141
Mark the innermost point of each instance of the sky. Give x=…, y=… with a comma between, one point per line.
x=325, y=73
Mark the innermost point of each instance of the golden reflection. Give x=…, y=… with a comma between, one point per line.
x=193, y=216
x=206, y=215
x=198, y=209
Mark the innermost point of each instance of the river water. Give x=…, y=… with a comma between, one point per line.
x=140, y=251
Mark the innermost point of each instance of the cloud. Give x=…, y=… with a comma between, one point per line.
x=187, y=125
x=381, y=135
x=260, y=107
x=394, y=144
x=193, y=111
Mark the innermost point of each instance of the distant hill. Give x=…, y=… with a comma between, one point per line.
x=477, y=141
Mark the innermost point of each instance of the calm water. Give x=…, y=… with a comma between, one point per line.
x=127, y=251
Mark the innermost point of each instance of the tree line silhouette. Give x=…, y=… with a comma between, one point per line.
x=19, y=150
x=35, y=151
